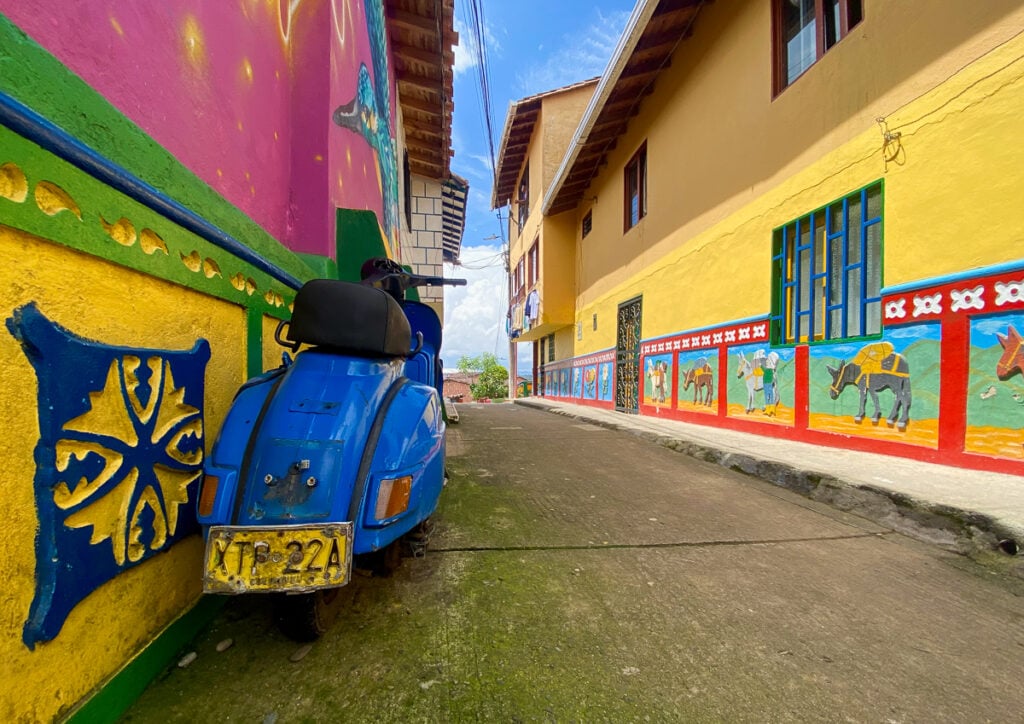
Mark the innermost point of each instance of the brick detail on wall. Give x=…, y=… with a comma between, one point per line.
x=426, y=234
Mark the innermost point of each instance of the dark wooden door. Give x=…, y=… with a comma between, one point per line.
x=627, y=357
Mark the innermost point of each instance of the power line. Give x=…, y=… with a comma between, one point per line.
x=474, y=11
x=479, y=35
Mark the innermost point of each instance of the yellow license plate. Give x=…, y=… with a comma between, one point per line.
x=291, y=558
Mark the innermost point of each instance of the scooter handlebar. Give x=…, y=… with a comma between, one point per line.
x=436, y=281
x=408, y=280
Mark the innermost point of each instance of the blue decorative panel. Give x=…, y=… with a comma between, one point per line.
x=118, y=460
x=605, y=377
x=590, y=382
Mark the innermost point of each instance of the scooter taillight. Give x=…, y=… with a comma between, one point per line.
x=392, y=497
x=207, y=494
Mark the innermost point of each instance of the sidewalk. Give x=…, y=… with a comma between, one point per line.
x=972, y=512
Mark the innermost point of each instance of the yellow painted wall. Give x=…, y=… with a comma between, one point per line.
x=88, y=296
x=561, y=113
x=556, y=286
x=565, y=341
x=727, y=163
x=556, y=123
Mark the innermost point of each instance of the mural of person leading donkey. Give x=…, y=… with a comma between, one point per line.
x=876, y=367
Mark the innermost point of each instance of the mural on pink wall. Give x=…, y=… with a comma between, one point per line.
x=235, y=91
x=363, y=97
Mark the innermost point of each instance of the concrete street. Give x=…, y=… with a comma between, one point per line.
x=584, y=574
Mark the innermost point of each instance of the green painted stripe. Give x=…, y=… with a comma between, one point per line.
x=357, y=238
x=254, y=342
x=324, y=267
x=115, y=696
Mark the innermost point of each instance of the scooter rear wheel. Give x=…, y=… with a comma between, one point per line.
x=306, y=617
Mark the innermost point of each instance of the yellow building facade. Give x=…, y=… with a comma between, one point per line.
x=802, y=225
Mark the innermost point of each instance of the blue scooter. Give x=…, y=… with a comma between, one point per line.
x=335, y=457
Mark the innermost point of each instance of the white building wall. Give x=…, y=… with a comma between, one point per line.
x=426, y=235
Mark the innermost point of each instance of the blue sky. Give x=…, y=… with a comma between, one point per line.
x=532, y=47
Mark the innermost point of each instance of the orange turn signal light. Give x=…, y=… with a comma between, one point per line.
x=392, y=497
x=207, y=494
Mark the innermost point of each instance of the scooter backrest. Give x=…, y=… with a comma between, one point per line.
x=350, y=318
x=424, y=366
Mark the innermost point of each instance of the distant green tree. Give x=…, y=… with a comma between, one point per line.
x=492, y=380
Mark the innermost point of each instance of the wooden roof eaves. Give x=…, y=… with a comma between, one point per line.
x=519, y=124
x=413, y=22
x=654, y=23
x=421, y=41
x=516, y=141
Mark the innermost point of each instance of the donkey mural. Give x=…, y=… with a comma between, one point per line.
x=876, y=367
x=702, y=377
x=1012, y=361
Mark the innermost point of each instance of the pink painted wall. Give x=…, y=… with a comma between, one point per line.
x=364, y=176
x=240, y=92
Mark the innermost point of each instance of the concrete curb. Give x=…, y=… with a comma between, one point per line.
x=966, y=532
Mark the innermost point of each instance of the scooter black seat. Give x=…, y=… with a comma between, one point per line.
x=350, y=318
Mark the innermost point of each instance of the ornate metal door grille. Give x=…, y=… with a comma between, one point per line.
x=627, y=357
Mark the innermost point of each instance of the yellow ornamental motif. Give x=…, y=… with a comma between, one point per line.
x=122, y=231
x=150, y=448
x=13, y=185
x=152, y=242
x=193, y=261
x=210, y=268
x=52, y=199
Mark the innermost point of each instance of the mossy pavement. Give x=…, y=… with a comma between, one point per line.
x=582, y=574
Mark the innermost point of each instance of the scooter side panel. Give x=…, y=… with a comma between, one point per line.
x=411, y=444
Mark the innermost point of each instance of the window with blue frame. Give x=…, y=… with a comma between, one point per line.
x=827, y=271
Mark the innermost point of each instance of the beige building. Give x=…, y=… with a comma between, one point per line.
x=536, y=136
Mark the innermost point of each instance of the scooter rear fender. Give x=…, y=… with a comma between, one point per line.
x=412, y=444
x=229, y=447
x=291, y=445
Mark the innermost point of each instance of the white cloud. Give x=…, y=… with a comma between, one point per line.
x=483, y=169
x=474, y=315
x=997, y=324
x=466, y=51
x=582, y=55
